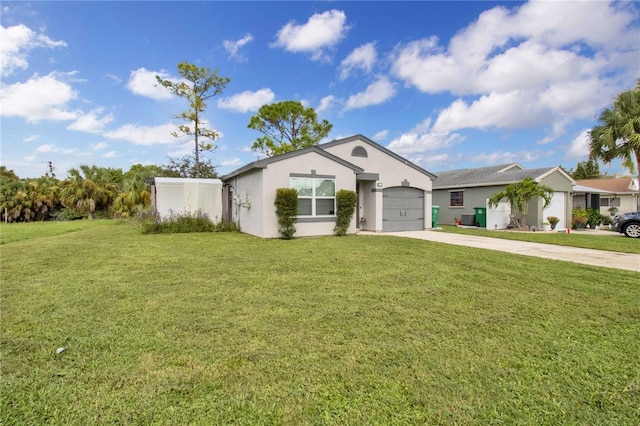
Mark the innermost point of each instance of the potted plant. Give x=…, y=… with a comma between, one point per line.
x=546, y=226
x=553, y=221
x=579, y=219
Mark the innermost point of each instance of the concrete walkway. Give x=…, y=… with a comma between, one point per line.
x=607, y=259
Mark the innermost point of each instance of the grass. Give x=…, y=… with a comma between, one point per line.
x=614, y=242
x=12, y=232
x=224, y=328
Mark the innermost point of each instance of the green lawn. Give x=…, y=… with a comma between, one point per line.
x=361, y=330
x=613, y=242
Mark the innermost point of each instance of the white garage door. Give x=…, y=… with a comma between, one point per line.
x=402, y=209
x=557, y=209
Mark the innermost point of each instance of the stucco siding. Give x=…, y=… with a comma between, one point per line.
x=391, y=171
x=473, y=197
x=278, y=174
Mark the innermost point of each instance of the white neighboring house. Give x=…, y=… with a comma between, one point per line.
x=393, y=193
x=170, y=196
x=619, y=193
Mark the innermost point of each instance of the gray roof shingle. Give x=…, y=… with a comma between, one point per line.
x=486, y=176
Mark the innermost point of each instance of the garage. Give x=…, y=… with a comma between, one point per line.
x=402, y=209
x=557, y=209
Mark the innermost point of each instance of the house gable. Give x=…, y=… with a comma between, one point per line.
x=360, y=150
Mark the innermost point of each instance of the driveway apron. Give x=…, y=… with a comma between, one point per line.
x=607, y=259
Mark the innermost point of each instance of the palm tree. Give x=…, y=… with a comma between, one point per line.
x=618, y=134
x=519, y=195
x=44, y=194
x=135, y=196
x=87, y=193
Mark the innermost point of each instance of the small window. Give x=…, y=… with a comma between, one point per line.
x=359, y=151
x=604, y=202
x=456, y=199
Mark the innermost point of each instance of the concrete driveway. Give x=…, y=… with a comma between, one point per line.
x=607, y=259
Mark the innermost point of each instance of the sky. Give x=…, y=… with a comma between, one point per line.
x=447, y=85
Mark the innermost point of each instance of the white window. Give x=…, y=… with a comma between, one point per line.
x=316, y=196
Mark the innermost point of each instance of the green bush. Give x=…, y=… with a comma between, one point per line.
x=175, y=223
x=593, y=218
x=346, y=206
x=65, y=214
x=286, y=209
x=227, y=226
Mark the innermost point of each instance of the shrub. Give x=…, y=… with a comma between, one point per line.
x=227, y=226
x=346, y=206
x=286, y=209
x=175, y=223
x=66, y=214
x=593, y=218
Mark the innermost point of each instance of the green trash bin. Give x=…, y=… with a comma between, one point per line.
x=481, y=216
x=435, y=212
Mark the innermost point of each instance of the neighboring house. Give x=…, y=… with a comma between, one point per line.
x=461, y=192
x=621, y=193
x=393, y=193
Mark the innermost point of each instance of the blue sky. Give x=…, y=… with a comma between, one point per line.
x=447, y=85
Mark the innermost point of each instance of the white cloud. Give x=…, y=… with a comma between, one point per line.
x=17, y=41
x=47, y=148
x=541, y=63
x=111, y=154
x=186, y=149
x=326, y=103
x=232, y=47
x=423, y=138
x=503, y=157
x=145, y=135
x=114, y=78
x=31, y=138
x=493, y=110
x=247, y=100
x=91, y=122
x=382, y=134
x=376, y=93
x=361, y=58
x=579, y=148
x=144, y=83
x=232, y=162
x=321, y=31
x=99, y=146
x=39, y=98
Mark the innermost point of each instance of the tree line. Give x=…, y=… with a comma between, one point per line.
x=89, y=191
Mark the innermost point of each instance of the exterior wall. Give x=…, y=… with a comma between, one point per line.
x=627, y=203
x=368, y=202
x=473, y=197
x=391, y=173
x=277, y=175
x=559, y=183
x=247, y=205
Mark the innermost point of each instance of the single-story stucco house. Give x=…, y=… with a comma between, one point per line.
x=393, y=193
x=602, y=194
x=458, y=193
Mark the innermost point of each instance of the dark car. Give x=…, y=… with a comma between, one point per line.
x=628, y=224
